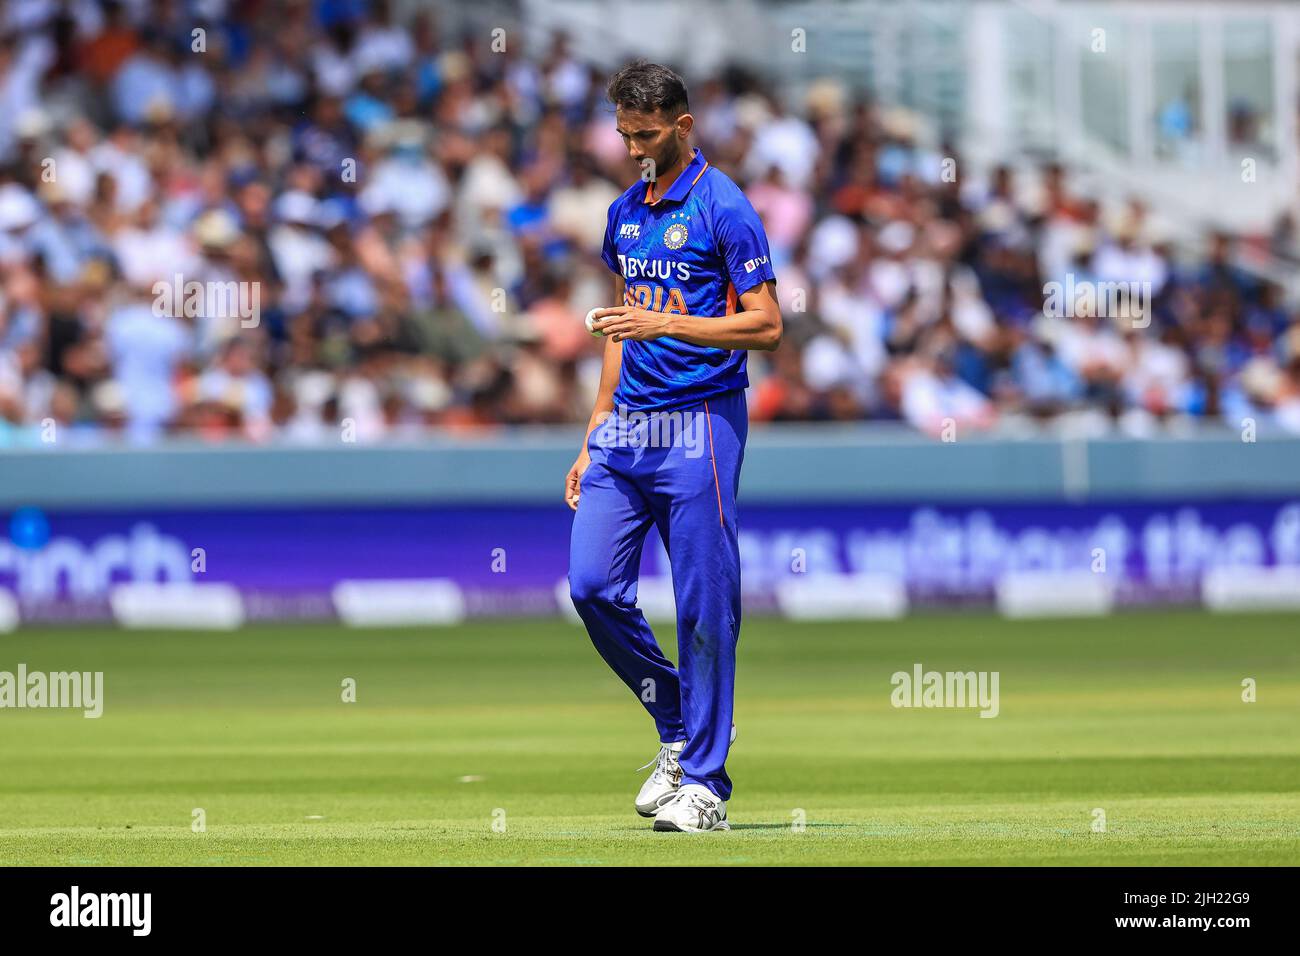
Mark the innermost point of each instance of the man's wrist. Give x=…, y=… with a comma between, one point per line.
x=596, y=421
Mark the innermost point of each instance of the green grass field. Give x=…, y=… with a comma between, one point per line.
x=520, y=723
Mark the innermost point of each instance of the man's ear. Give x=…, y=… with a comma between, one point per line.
x=685, y=123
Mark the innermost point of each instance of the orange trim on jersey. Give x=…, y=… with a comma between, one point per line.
x=700, y=173
x=650, y=186
x=732, y=299
x=714, y=458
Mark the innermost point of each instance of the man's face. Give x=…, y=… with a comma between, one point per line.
x=655, y=136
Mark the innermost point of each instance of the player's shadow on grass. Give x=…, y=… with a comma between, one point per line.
x=773, y=826
x=785, y=826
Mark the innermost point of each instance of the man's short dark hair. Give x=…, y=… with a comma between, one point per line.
x=644, y=87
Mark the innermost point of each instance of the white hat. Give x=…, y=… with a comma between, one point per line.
x=296, y=206
x=896, y=237
x=216, y=228
x=375, y=201
x=834, y=242
x=18, y=209
x=32, y=123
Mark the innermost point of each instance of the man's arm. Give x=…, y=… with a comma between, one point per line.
x=758, y=326
x=609, y=373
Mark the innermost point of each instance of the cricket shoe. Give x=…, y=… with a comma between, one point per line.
x=662, y=784
x=694, y=810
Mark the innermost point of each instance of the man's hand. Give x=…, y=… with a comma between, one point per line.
x=630, y=322
x=757, y=326
x=572, y=481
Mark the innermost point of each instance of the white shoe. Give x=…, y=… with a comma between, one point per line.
x=664, y=779
x=694, y=810
x=663, y=782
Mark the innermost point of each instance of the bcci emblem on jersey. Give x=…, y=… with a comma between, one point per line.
x=675, y=235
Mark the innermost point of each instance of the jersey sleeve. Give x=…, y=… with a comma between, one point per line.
x=608, y=251
x=743, y=244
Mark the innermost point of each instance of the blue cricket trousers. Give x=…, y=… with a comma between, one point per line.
x=681, y=471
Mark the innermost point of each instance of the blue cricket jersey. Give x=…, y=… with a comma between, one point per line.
x=694, y=251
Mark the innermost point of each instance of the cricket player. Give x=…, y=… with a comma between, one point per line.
x=666, y=438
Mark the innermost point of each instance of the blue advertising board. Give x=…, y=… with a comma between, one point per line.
x=510, y=559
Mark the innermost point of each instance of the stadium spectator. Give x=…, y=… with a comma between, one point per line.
x=422, y=220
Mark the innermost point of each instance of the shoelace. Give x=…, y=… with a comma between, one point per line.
x=661, y=759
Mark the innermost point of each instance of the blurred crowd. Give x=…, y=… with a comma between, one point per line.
x=420, y=214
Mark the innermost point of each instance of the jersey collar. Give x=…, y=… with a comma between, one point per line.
x=682, y=184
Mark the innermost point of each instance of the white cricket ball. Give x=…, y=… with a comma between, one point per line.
x=591, y=317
